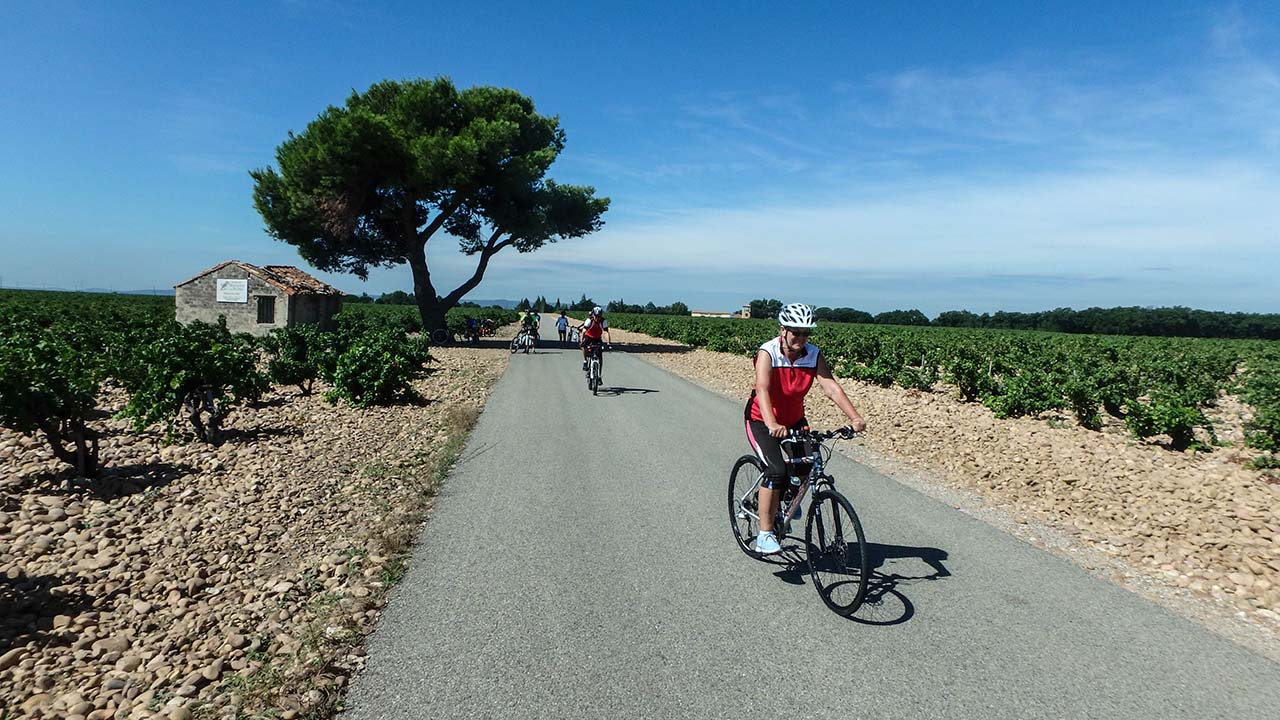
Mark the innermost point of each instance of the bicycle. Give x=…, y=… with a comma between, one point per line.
x=522, y=341
x=835, y=548
x=595, y=365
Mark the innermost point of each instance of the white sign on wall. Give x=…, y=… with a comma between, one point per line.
x=233, y=291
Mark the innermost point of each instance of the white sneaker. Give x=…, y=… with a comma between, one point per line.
x=767, y=544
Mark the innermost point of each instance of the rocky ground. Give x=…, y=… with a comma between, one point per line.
x=1202, y=527
x=200, y=581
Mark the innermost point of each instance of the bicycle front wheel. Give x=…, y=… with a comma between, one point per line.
x=837, y=552
x=515, y=345
x=744, y=515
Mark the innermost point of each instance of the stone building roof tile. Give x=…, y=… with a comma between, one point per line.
x=286, y=277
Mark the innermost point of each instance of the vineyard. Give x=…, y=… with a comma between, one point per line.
x=1155, y=386
x=59, y=350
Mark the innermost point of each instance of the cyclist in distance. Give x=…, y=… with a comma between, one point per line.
x=529, y=323
x=786, y=367
x=593, y=331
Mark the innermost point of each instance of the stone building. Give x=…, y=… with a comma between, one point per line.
x=256, y=299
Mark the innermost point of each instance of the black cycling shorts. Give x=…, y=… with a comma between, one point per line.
x=769, y=449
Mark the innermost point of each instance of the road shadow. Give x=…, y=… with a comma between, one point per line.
x=616, y=391
x=890, y=568
x=893, y=567
x=485, y=343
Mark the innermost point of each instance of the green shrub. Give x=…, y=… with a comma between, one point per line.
x=297, y=355
x=200, y=370
x=1261, y=389
x=1030, y=392
x=50, y=385
x=377, y=368
x=1263, y=431
x=1170, y=415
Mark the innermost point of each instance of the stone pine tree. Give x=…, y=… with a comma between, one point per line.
x=371, y=183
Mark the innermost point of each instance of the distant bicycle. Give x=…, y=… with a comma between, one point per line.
x=522, y=341
x=442, y=336
x=835, y=548
x=595, y=366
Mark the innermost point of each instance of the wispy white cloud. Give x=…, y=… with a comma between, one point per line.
x=1208, y=219
x=1094, y=170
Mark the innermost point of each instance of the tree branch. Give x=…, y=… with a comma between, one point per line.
x=491, y=248
x=446, y=210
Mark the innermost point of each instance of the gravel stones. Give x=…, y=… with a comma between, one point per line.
x=188, y=571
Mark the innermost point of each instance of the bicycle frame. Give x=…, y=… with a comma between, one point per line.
x=817, y=479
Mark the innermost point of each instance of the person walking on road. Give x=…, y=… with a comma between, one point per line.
x=562, y=327
x=786, y=367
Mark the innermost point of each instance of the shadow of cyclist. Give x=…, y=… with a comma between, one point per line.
x=616, y=391
x=890, y=568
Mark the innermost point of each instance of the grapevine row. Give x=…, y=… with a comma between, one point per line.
x=1157, y=386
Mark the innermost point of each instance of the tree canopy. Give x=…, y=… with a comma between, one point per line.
x=369, y=184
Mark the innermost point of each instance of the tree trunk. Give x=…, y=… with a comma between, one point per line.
x=83, y=455
x=431, y=307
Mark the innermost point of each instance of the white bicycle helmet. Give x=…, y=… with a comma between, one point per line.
x=596, y=310
x=797, y=315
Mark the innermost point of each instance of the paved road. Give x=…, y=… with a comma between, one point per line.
x=595, y=577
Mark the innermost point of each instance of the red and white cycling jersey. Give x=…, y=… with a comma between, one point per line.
x=789, y=382
x=595, y=330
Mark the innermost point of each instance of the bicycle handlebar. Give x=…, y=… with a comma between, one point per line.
x=806, y=434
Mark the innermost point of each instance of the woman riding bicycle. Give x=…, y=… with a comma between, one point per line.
x=594, y=330
x=786, y=367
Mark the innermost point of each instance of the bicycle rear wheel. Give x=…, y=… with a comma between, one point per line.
x=744, y=484
x=837, y=552
x=515, y=344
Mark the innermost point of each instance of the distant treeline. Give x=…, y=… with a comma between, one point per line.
x=398, y=297
x=1156, y=322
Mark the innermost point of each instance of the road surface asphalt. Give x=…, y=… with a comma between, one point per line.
x=579, y=564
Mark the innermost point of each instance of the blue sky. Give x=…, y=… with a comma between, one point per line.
x=921, y=155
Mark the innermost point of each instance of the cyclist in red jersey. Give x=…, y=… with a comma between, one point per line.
x=786, y=367
x=594, y=330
